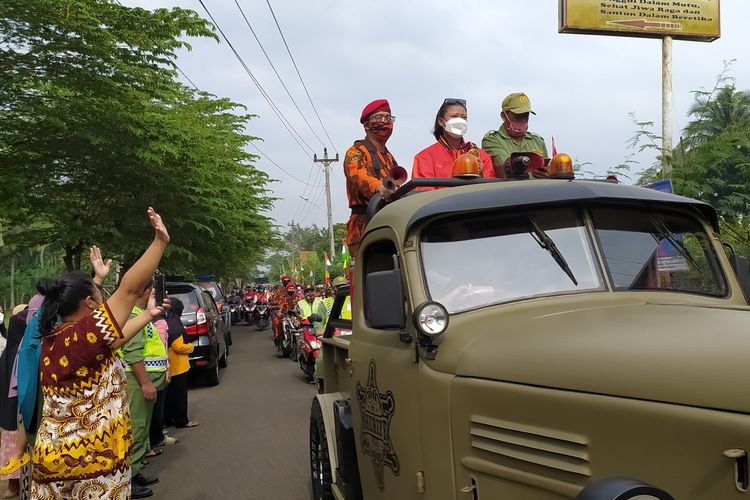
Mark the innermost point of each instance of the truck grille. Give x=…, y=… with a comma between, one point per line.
x=531, y=451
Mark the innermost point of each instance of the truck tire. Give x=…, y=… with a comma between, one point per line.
x=320, y=463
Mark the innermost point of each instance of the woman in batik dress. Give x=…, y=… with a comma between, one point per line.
x=83, y=442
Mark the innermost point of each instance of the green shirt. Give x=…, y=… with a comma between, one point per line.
x=499, y=145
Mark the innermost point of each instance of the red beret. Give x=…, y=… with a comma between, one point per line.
x=374, y=106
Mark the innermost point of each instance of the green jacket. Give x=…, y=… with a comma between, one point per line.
x=499, y=145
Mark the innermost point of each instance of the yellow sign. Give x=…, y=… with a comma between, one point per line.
x=686, y=19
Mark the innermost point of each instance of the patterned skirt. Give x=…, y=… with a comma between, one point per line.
x=115, y=486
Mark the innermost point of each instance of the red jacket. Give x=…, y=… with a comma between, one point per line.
x=437, y=161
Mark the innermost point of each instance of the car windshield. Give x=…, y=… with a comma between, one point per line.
x=658, y=251
x=471, y=262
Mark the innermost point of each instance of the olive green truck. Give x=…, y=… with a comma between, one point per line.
x=545, y=339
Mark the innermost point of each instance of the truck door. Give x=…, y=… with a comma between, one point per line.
x=384, y=374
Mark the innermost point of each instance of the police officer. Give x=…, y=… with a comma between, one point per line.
x=513, y=136
x=146, y=366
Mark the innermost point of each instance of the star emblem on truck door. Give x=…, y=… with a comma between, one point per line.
x=377, y=410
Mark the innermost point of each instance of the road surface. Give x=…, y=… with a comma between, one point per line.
x=252, y=439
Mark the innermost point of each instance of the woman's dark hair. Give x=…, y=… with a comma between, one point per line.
x=437, y=130
x=62, y=297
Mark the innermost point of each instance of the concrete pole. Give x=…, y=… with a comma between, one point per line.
x=666, y=107
x=326, y=164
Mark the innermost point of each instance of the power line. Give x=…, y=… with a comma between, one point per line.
x=263, y=92
x=280, y=167
x=247, y=21
x=300, y=76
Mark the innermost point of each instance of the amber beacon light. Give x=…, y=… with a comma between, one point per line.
x=561, y=167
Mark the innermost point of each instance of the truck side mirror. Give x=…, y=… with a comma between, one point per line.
x=742, y=271
x=384, y=299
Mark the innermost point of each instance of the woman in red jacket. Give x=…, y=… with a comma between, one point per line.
x=450, y=126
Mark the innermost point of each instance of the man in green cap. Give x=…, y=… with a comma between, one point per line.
x=513, y=136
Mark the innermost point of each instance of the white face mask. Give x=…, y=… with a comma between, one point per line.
x=456, y=127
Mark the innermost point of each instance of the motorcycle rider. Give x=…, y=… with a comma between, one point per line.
x=312, y=305
x=279, y=302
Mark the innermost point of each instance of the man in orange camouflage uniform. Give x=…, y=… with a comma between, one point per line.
x=280, y=302
x=366, y=163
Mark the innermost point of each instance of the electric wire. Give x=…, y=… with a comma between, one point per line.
x=280, y=167
x=289, y=127
x=281, y=80
x=300, y=76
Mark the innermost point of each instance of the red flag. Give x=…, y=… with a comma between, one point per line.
x=554, y=149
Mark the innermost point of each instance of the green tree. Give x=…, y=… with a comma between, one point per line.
x=95, y=127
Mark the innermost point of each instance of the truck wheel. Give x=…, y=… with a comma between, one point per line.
x=320, y=463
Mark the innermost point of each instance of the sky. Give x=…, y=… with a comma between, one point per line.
x=416, y=53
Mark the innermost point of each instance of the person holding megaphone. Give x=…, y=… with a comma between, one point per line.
x=450, y=127
x=368, y=169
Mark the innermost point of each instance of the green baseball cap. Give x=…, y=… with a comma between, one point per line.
x=517, y=103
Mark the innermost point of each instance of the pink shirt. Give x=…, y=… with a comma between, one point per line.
x=163, y=330
x=437, y=161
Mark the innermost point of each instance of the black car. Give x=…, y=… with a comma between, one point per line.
x=204, y=326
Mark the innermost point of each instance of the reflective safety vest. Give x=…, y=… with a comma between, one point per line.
x=306, y=309
x=154, y=352
x=328, y=302
x=346, y=309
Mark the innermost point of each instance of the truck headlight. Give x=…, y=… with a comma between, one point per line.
x=431, y=318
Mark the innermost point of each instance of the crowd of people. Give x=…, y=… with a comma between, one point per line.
x=89, y=381
x=368, y=162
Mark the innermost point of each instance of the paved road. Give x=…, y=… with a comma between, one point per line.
x=252, y=439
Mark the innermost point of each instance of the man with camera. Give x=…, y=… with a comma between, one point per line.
x=513, y=136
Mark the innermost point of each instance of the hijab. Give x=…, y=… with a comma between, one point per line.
x=174, y=323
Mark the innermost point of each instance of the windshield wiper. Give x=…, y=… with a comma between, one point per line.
x=546, y=243
x=664, y=233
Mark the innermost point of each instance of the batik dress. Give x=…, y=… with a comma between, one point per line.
x=84, y=437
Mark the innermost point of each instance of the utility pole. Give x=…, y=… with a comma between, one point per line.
x=326, y=163
x=666, y=107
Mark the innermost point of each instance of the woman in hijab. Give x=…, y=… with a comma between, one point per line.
x=179, y=364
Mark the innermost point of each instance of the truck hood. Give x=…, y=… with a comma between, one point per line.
x=691, y=355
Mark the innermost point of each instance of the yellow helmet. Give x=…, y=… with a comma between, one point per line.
x=338, y=281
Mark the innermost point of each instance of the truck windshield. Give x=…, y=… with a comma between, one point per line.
x=658, y=251
x=471, y=262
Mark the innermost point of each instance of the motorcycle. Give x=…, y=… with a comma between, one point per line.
x=248, y=310
x=285, y=343
x=262, y=315
x=310, y=346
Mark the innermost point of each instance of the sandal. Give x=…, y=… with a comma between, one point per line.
x=189, y=425
x=168, y=441
x=14, y=465
x=153, y=452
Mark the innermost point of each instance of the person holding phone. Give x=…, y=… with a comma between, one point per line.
x=83, y=440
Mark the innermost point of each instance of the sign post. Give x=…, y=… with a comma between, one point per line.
x=696, y=20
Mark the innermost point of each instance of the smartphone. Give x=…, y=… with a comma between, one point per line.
x=160, y=288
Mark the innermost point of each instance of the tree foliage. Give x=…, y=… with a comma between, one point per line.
x=95, y=127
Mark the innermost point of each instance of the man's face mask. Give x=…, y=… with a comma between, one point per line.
x=516, y=129
x=380, y=125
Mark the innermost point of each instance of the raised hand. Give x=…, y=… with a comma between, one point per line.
x=157, y=310
x=160, y=229
x=101, y=268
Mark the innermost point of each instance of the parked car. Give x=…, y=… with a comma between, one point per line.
x=204, y=325
x=206, y=282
